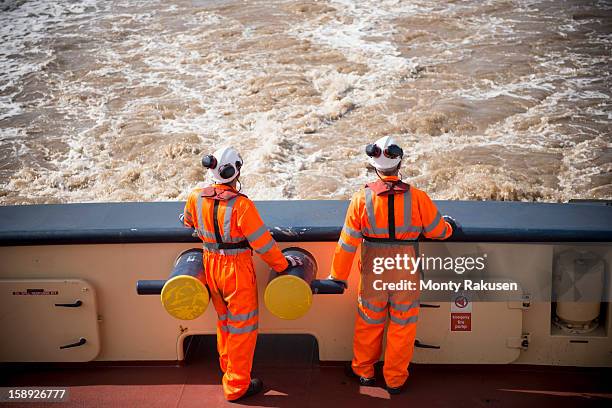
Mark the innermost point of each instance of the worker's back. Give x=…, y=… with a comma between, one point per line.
x=400, y=215
x=386, y=211
x=216, y=220
x=228, y=223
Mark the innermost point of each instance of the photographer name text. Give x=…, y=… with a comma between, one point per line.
x=449, y=286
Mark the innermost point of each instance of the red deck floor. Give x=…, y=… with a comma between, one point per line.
x=293, y=379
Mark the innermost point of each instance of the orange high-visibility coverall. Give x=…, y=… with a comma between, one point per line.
x=368, y=216
x=230, y=276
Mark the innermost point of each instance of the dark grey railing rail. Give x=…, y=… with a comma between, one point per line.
x=293, y=221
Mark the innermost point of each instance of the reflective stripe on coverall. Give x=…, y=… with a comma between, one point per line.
x=230, y=276
x=368, y=215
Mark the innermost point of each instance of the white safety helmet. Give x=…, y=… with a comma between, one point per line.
x=223, y=165
x=384, y=154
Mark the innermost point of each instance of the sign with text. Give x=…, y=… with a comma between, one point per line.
x=461, y=314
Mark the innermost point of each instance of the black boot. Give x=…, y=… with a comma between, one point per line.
x=255, y=387
x=365, y=381
x=396, y=390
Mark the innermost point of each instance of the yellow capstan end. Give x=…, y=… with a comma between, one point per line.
x=185, y=297
x=288, y=297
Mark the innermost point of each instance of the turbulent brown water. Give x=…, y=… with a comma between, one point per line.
x=117, y=101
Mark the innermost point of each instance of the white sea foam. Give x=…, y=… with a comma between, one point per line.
x=117, y=101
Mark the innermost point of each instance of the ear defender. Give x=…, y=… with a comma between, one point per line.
x=393, y=152
x=209, y=161
x=373, y=150
x=227, y=171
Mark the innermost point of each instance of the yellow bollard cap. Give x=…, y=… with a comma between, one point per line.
x=288, y=297
x=185, y=297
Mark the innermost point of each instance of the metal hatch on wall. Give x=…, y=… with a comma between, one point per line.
x=487, y=326
x=51, y=320
x=473, y=332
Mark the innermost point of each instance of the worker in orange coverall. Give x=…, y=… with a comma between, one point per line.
x=388, y=215
x=230, y=227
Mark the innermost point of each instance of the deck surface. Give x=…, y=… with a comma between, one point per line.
x=293, y=379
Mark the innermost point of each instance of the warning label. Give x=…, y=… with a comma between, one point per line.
x=461, y=322
x=461, y=304
x=461, y=314
x=35, y=292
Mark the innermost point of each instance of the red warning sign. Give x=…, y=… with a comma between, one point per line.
x=461, y=322
x=461, y=314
